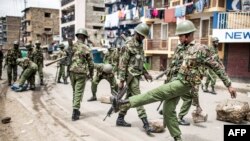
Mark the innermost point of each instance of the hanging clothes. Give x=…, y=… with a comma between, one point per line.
x=107, y=23
x=170, y=15
x=148, y=14
x=199, y=5
x=190, y=8
x=161, y=14
x=180, y=11
x=155, y=13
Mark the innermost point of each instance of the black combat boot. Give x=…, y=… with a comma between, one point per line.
x=93, y=98
x=181, y=121
x=121, y=122
x=75, y=115
x=177, y=138
x=116, y=103
x=41, y=82
x=32, y=87
x=213, y=91
x=205, y=90
x=65, y=81
x=161, y=112
x=146, y=126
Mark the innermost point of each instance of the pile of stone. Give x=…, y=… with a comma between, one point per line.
x=232, y=111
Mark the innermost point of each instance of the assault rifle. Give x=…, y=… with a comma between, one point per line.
x=161, y=74
x=119, y=95
x=50, y=63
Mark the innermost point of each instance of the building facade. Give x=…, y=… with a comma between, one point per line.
x=40, y=24
x=211, y=20
x=77, y=14
x=9, y=30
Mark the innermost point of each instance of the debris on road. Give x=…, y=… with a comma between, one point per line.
x=6, y=120
x=232, y=111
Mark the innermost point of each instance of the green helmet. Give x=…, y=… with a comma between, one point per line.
x=61, y=46
x=22, y=60
x=15, y=42
x=142, y=29
x=107, y=68
x=185, y=27
x=215, y=39
x=38, y=42
x=82, y=31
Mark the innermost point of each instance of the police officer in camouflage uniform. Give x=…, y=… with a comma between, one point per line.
x=69, y=53
x=28, y=73
x=195, y=56
x=10, y=61
x=80, y=69
x=131, y=65
x=173, y=69
x=104, y=71
x=108, y=57
x=30, y=53
x=62, y=63
x=38, y=59
x=211, y=76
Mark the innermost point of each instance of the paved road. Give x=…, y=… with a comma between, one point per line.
x=45, y=114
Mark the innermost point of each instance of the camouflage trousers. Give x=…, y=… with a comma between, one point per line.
x=29, y=75
x=189, y=99
x=134, y=89
x=61, y=72
x=211, y=78
x=12, y=71
x=170, y=93
x=96, y=81
x=40, y=71
x=78, y=82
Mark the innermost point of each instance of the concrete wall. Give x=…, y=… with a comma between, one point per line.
x=155, y=63
x=13, y=30
x=39, y=22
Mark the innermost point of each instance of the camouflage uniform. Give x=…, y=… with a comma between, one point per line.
x=30, y=54
x=62, y=63
x=28, y=73
x=38, y=59
x=132, y=64
x=211, y=76
x=69, y=54
x=108, y=57
x=195, y=58
x=102, y=75
x=172, y=73
x=10, y=61
x=116, y=60
x=81, y=65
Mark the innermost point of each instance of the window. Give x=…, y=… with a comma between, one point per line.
x=27, y=33
x=97, y=27
x=28, y=23
x=101, y=9
x=164, y=31
x=47, y=15
x=205, y=28
x=47, y=29
x=221, y=3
